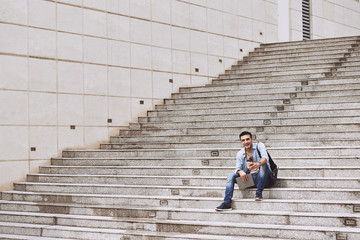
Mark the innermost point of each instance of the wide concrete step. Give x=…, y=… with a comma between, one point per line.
x=281, y=88
x=245, y=123
x=268, y=129
x=205, y=186
x=322, y=171
x=302, y=57
x=293, y=66
x=337, y=60
x=298, y=77
x=152, y=191
x=230, y=78
x=241, y=114
x=298, y=96
x=305, y=68
x=133, y=232
x=26, y=237
x=260, y=51
x=254, y=217
x=184, y=230
x=340, y=151
x=282, y=72
x=285, y=102
x=202, y=161
x=179, y=183
x=292, y=205
x=215, y=144
x=115, y=223
x=235, y=137
x=294, y=73
x=297, y=54
x=306, y=43
x=265, y=84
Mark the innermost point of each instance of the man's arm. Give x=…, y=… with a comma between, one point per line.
x=264, y=156
x=240, y=168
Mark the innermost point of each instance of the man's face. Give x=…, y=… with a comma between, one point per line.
x=246, y=141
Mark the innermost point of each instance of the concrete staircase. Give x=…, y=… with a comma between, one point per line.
x=163, y=177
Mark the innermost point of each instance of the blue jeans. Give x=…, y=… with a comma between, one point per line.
x=261, y=180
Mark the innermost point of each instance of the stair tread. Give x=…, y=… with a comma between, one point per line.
x=339, y=190
x=198, y=223
x=189, y=210
x=172, y=235
x=23, y=237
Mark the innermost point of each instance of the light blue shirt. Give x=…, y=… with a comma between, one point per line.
x=241, y=157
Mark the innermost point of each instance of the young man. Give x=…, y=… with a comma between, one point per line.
x=248, y=161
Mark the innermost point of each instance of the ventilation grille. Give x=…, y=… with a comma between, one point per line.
x=306, y=19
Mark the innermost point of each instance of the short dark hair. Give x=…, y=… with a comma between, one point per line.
x=245, y=133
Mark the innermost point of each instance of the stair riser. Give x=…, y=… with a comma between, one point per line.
x=304, y=50
x=330, y=59
x=177, y=183
x=297, y=54
x=309, y=43
x=172, y=215
x=229, y=89
x=296, y=71
x=271, y=108
x=235, y=137
x=325, y=63
x=334, y=57
x=55, y=233
x=234, y=144
x=284, y=72
x=303, y=56
x=290, y=206
x=249, y=84
x=292, y=152
x=246, y=123
x=36, y=231
x=254, y=91
x=255, y=100
x=201, y=193
x=167, y=227
x=249, y=116
x=327, y=74
x=212, y=162
x=231, y=130
x=223, y=171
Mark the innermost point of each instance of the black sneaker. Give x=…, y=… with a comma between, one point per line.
x=224, y=207
x=258, y=197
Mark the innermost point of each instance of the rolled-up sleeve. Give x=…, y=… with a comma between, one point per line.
x=263, y=152
x=262, y=149
x=239, y=162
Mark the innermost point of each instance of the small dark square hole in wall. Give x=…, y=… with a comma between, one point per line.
x=109, y=120
x=261, y=33
x=141, y=101
x=220, y=60
x=72, y=127
x=196, y=69
x=241, y=49
x=33, y=149
x=171, y=81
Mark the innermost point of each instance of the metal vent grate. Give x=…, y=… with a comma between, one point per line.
x=306, y=19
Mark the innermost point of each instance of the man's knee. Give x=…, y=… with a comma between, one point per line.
x=231, y=177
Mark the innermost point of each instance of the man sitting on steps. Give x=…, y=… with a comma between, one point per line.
x=248, y=161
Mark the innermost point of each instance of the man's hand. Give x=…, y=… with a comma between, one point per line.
x=254, y=166
x=243, y=176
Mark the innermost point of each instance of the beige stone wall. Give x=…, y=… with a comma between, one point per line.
x=329, y=18
x=82, y=62
x=335, y=18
